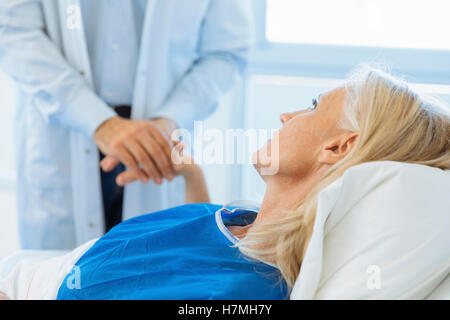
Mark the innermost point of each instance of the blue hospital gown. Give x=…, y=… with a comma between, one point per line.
x=179, y=253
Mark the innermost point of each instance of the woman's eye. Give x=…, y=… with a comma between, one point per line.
x=314, y=104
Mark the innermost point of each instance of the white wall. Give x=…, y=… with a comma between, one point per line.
x=224, y=183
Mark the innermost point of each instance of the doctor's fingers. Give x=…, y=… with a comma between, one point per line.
x=126, y=177
x=161, y=137
x=159, y=157
x=127, y=158
x=109, y=163
x=144, y=160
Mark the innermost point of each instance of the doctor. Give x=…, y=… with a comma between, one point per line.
x=79, y=66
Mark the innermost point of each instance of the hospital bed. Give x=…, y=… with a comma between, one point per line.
x=381, y=232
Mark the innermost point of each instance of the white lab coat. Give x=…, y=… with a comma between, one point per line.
x=192, y=51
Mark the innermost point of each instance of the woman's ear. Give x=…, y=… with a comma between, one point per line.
x=337, y=148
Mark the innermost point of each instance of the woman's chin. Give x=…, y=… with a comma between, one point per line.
x=263, y=162
x=259, y=158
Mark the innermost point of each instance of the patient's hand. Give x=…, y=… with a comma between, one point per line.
x=184, y=165
x=196, y=190
x=3, y=296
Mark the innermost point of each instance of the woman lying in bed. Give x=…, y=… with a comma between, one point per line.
x=201, y=251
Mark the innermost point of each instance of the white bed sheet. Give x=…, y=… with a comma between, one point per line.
x=37, y=275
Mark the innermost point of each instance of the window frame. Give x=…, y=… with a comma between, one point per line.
x=335, y=61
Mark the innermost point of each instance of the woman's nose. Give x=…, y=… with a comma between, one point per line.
x=285, y=117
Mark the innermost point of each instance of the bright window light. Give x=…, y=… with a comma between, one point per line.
x=377, y=23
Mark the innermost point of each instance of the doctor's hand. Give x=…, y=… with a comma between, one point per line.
x=142, y=146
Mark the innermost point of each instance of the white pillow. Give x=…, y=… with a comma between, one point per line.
x=382, y=231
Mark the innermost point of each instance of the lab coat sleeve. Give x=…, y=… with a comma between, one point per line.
x=224, y=44
x=37, y=66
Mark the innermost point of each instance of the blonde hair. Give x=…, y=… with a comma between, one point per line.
x=394, y=124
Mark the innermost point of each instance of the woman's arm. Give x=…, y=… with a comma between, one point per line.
x=196, y=190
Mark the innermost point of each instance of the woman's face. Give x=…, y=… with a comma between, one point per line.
x=296, y=147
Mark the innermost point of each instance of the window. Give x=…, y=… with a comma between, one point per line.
x=374, y=23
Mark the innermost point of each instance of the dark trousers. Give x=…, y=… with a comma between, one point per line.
x=112, y=194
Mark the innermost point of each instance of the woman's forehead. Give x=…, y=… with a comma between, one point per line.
x=333, y=96
x=333, y=92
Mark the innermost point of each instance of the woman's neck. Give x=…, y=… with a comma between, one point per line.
x=283, y=194
x=279, y=197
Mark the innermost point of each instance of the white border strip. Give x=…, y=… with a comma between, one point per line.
x=223, y=228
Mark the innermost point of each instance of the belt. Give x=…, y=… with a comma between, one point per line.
x=123, y=111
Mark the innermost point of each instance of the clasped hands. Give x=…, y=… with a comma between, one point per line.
x=143, y=146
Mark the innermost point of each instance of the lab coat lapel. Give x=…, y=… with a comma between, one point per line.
x=139, y=95
x=73, y=38
x=149, y=89
x=50, y=9
x=86, y=193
